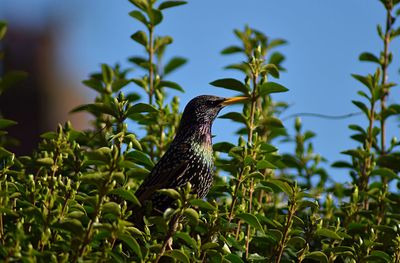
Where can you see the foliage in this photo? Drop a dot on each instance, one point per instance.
(70, 200)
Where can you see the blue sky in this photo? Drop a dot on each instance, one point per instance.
(325, 39)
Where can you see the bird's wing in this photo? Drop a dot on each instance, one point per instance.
(171, 168)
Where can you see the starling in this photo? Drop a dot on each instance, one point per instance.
(189, 158)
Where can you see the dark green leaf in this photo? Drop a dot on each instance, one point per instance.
(177, 255)
(95, 84)
(235, 116)
(5, 123)
(11, 78)
(233, 258)
(327, 233)
(223, 147)
(232, 84)
(187, 239)
(169, 4)
(271, 87)
(126, 195)
(366, 56)
(361, 106)
(139, 16)
(141, 158)
(318, 256)
(173, 64)
(170, 84)
(251, 220)
(202, 204)
(140, 37)
(131, 243)
(140, 108)
(3, 29)
(264, 164)
(231, 50)
(155, 16)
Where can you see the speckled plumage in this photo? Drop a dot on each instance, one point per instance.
(189, 157)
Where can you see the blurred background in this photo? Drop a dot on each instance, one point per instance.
(61, 42)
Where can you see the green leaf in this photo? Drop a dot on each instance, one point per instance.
(318, 256)
(264, 164)
(271, 87)
(276, 42)
(385, 172)
(5, 123)
(279, 186)
(140, 37)
(232, 84)
(170, 84)
(140, 108)
(96, 109)
(327, 233)
(173, 64)
(3, 29)
(131, 243)
(170, 192)
(139, 16)
(141, 158)
(191, 215)
(126, 195)
(70, 224)
(251, 220)
(202, 204)
(45, 161)
(177, 255)
(224, 147)
(95, 84)
(231, 50)
(111, 208)
(187, 239)
(155, 16)
(169, 4)
(366, 56)
(273, 70)
(141, 4)
(361, 106)
(11, 78)
(235, 116)
(273, 122)
(233, 258)
(379, 255)
(364, 80)
(107, 73)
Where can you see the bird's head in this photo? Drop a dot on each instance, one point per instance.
(204, 109)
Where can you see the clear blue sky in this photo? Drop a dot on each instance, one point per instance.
(325, 39)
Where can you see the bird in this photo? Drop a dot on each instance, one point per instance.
(189, 158)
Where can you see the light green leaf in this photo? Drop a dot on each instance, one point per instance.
(327, 233)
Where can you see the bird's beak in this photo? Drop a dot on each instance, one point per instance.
(233, 100)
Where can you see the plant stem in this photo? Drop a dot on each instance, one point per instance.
(151, 68)
(385, 76)
(289, 222)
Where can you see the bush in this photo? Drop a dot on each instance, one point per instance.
(70, 200)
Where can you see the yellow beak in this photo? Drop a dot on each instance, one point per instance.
(230, 101)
